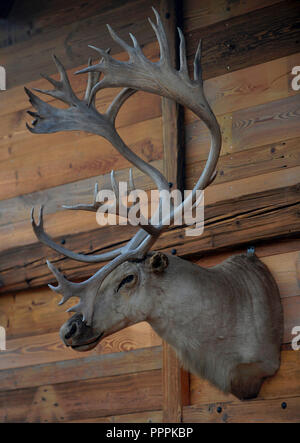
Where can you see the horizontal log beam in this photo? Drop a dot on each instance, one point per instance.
(106, 365)
(255, 411)
(253, 38)
(83, 399)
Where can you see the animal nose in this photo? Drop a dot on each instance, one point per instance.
(71, 332)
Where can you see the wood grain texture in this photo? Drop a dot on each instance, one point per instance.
(284, 268)
(201, 14)
(255, 411)
(48, 348)
(176, 388)
(253, 38)
(92, 398)
(284, 384)
(71, 40)
(85, 368)
(137, 417)
(251, 162)
(260, 125)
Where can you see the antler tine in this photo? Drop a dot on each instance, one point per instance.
(118, 101)
(63, 75)
(93, 78)
(53, 82)
(131, 181)
(120, 41)
(114, 184)
(197, 63)
(63, 90)
(96, 190)
(48, 241)
(123, 211)
(136, 45)
(161, 37)
(182, 54)
(93, 207)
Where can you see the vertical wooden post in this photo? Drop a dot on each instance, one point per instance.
(171, 111)
(176, 389)
(175, 379)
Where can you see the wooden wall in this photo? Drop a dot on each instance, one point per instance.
(249, 49)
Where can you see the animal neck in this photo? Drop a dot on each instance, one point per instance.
(180, 301)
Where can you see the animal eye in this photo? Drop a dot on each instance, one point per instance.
(126, 280)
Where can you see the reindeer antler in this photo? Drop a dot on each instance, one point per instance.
(138, 73)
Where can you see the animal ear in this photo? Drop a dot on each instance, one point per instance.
(158, 262)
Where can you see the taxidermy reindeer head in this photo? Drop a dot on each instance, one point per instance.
(224, 322)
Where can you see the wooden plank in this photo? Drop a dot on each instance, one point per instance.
(260, 184)
(260, 216)
(138, 417)
(254, 411)
(71, 41)
(80, 155)
(201, 14)
(175, 386)
(48, 348)
(286, 383)
(256, 37)
(284, 269)
(85, 399)
(81, 369)
(260, 125)
(267, 123)
(251, 162)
